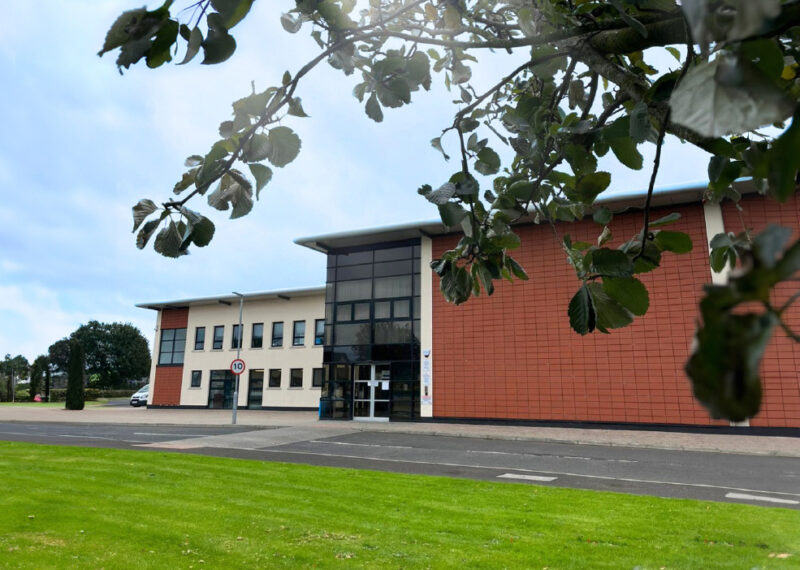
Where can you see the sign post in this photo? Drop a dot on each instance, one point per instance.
(237, 366)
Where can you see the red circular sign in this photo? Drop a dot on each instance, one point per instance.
(237, 366)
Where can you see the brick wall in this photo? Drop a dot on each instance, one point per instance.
(167, 389)
(781, 365)
(513, 355)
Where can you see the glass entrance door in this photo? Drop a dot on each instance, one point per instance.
(371, 392)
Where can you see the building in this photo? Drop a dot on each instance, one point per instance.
(282, 347)
(393, 349)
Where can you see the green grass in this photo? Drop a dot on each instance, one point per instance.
(70, 507)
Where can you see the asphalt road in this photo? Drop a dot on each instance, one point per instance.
(758, 480)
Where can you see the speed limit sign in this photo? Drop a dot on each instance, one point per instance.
(237, 366)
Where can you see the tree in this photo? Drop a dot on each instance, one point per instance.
(115, 352)
(13, 368)
(75, 376)
(590, 83)
(39, 368)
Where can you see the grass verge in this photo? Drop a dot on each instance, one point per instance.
(91, 508)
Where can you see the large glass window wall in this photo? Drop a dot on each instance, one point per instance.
(372, 315)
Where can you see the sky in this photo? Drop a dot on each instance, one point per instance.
(80, 144)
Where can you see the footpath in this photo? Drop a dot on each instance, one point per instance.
(744, 443)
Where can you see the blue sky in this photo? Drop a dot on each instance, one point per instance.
(81, 144)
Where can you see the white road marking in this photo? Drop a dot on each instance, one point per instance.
(526, 477)
(557, 473)
(359, 444)
(746, 497)
(181, 434)
(511, 453)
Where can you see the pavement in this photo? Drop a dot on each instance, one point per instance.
(304, 424)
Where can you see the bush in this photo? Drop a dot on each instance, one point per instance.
(75, 371)
(90, 394)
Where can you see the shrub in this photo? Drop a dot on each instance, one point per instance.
(75, 371)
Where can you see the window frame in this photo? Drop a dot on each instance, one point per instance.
(295, 336)
(214, 344)
(260, 336)
(270, 378)
(196, 375)
(319, 332)
(292, 378)
(199, 343)
(234, 332)
(171, 351)
(317, 382)
(276, 341)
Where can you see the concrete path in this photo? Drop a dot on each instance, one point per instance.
(301, 426)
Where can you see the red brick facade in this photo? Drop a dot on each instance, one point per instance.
(167, 388)
(513, 355)
(780, 369)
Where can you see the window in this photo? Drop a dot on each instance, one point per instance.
(296, 378)
(277, 334)
(236, 337)
(219, 331)
(173, 343)
(319, 332)
(275, 378)
(299, 333)
(197, 377)
(199, 338)
(258, 336)
(316, 378)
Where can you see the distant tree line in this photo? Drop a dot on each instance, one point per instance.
(112, 355)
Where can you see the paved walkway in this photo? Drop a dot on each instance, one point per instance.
(727, 443)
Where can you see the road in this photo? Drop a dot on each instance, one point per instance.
(758, 480)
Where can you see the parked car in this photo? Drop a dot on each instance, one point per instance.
(140, 397)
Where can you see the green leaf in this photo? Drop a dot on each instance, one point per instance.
(624, 148)
(611, 263)
(374, 112)
(609, 313)
(724, 365)
(290, 23)
(581, 312)
(668, 219)
(628, 292)
(296, 107)
(451, 214)
(727, 96)
(146, 232)
(262, 174)
(219, 45)
(516, 269)
(168, 241)
(186, 180)
(784, 161)
(640, 122)
(394, 92)
(232, 11)
(256, 149)
(141, 210)
(588, 187)
(676, 242)
(193, 45)
(194, 160)
(284, 146)
(488, 161)
(160, 53)
(123, 29)
(202, 232)
(437, 144)
(602, 216)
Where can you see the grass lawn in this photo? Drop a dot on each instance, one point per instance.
(72, 507)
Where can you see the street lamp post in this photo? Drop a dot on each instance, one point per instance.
(238, 352)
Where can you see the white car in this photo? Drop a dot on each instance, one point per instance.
(140, 397)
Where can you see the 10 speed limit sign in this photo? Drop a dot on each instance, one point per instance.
(237, 366)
